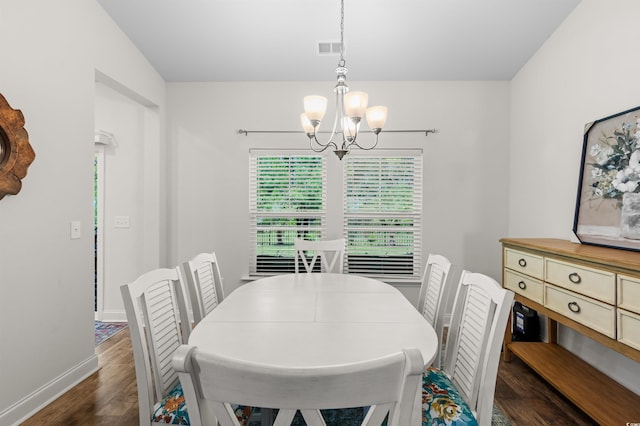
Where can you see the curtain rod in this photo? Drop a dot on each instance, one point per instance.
(246, 132)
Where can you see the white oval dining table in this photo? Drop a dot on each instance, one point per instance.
(314, 320)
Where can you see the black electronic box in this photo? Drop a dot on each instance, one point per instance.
(526, 324)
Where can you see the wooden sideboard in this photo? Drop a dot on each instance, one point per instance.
(592, 290)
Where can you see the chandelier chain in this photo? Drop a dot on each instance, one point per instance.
(341, 62)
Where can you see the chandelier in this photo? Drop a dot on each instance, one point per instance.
(351, 107)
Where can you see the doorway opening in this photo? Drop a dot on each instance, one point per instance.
(98, 230)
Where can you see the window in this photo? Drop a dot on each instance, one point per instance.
(382, 214)
(377, 208)
(287, 201)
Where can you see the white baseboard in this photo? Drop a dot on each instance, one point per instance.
(40, 398)
(114, 316)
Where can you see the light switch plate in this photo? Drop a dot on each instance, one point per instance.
(75, 230)
(122, 222)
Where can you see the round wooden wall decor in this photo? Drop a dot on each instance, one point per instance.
(15, 152)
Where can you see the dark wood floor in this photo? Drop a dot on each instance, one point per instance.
(528, 400)
(109, 397)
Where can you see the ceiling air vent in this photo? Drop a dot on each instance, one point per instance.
(329, 48)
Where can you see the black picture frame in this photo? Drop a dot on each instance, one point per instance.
(609, 169)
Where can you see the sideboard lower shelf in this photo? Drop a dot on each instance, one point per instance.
(603, 399)
(538, 261)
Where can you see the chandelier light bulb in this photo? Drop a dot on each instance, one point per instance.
(376, 117)
(306, 124)
(355, 104)
(315, 108)
(350, 128)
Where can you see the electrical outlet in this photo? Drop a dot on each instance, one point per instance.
(75, 230)
(122, 222)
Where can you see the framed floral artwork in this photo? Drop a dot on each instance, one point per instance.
(608, 202)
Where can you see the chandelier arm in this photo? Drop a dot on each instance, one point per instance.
(335, 119)
(363, 148)
(333, 130)
(323, 148)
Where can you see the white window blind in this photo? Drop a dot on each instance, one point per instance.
(382, 214)
(287, 200)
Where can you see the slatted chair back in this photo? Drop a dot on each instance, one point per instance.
(158, 322)
(204, 282)
(330, 252)
(480, 313)
(437, 287)
(213, 385)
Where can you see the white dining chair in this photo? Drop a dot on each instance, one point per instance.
(158, 322)
(330, 252)
(461, 393)
(213, 384)
(439, 284)
(204, 281)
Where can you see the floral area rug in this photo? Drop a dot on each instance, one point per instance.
(498, 418)
(105, 330)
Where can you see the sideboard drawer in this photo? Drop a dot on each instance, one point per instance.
(526, 263)
(629, 293)
(596, 315)
(629, 328)
(591, 282)
(524, 285)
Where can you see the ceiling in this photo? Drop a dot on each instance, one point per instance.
(386, 40)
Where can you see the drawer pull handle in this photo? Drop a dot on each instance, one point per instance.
(522, 262)
(522, 285)
(573, 307)
(574, 278)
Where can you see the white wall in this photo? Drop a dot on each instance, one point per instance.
(465, 179)
(50, 52)
(587, 70)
